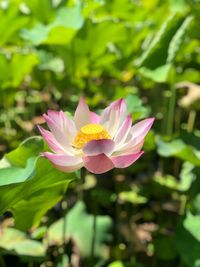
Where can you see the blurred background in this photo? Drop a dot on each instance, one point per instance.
(146, 51)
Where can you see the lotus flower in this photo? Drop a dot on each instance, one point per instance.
(99, 143)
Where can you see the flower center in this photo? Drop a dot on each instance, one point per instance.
(90, 132)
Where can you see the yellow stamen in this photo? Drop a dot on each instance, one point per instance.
(90, 132)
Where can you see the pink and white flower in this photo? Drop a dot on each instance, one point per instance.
(99, 143)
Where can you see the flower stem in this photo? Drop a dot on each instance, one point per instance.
(2, 262)
(64, 207)
(172, 105)
(80, 185)
(93, 238)
(191, 121)
(117, 211)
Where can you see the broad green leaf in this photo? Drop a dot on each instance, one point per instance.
(157, 53)
(31, 185)
(11, 17)
(30, 199)
(135, 107)
(192, 224)
(16, 68)
(79, 228)
(41, 10)
(177, 148)
(178, 39)
(159, 74)
(187, 176)
(157, 60)
(21, 162)
(30, 147)
(70, 17)
(61, 31)
(14, 175)
(188, 240)
(37, 34)
(13, 241)
(36, 204)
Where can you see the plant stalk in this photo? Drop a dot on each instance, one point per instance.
(171, 111)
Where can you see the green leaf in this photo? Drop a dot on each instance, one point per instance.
(156, 61)
(11, 17)
(187, 176)
(37, 34)
(61, 31)
(70, 17)
(188, 240)
(135, 107)
(159, 74)
(177, 148)
(16, 68)
(30, 147)
(157, 52)
(79, 228)
(178, 39)
(30, 200)
(35, 205)
(13, 175)
(30, 191)
(192, 224)
(13, 241)
(20, 163)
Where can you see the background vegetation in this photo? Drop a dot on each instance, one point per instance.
(148, 52)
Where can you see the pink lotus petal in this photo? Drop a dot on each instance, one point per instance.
(140, 129)
(113, 116)
(82, 114)
(58, 133)
(129, 149)
(64, 123)
(65, 163)
(98, 164)
(136, 134)
(123, 131)
(96, 147)
(118, 105)
(94, 118)
(51, 141)
(69, 168)
(125, 160)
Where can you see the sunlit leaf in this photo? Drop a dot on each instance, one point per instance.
(79, 228)
(15, 242)
(188, 240)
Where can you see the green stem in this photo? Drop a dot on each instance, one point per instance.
(117, 211)
(64, 206)
(93, 238)
(171, 112)
(80, 185)
(191, 121)
(2, 262)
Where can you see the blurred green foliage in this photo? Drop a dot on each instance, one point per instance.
(148, 52)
